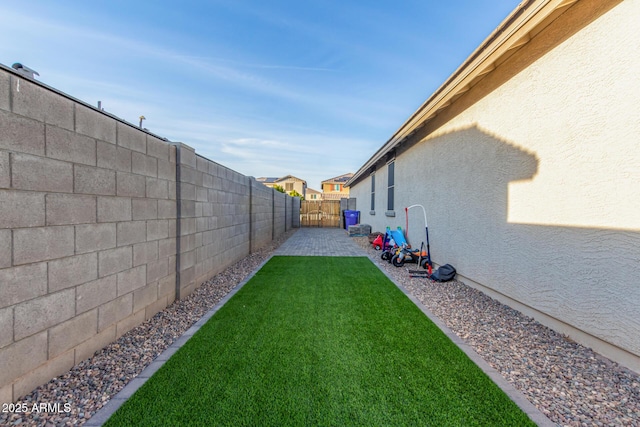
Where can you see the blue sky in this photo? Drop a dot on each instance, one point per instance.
(307, 88)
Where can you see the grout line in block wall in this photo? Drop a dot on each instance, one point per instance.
(11, 78)
(10, 170)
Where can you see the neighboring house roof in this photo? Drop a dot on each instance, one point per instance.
(524, 23)
(272, 180)
(339, 179)
(290, 178)
(268, 180)
(312, 191)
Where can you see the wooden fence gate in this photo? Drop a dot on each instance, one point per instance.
(315, 213)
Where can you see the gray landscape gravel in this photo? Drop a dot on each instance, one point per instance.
(571, 384)
(91, 384)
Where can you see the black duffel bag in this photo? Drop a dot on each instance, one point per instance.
(444, 273)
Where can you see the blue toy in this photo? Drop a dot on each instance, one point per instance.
(393, 239)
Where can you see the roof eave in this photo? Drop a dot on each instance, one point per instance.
(513, 33)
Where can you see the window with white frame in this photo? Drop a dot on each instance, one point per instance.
(390, 184)
(373, 191)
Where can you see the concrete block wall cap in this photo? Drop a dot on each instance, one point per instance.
(17, 73)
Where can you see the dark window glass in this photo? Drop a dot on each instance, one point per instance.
(373, 192)
(390, 188)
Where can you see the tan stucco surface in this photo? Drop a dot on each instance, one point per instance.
(532, 185)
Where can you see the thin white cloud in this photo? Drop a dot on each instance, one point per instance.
(16, 23)
(253, 144)
(244, 139)
(240, 64)
(337, 104)
(263, 151)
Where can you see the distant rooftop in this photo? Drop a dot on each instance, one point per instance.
(339, 179)
(272, 180)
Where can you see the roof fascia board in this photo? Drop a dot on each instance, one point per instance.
(511, 34)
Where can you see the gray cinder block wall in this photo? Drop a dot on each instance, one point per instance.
(279, 213)
(214, 218)
(295, 212)
(262, 229)
(102, 225)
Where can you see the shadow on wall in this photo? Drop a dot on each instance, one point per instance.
(583, 276)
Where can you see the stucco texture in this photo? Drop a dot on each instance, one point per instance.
(531, 187)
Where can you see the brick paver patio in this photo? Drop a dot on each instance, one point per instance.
(320, 242)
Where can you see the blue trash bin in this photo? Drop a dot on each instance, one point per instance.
(351, 218)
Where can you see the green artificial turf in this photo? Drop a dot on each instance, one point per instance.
(319, 341)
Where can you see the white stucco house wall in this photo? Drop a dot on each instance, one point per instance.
(527, 160)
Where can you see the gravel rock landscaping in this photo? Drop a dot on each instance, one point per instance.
(571, 384)
(88, 386)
